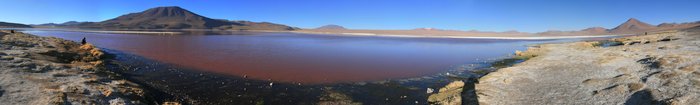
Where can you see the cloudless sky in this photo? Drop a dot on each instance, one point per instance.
(485, 15)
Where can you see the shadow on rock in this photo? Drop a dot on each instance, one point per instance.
(1, 92)
(642, 98)
(469, 93)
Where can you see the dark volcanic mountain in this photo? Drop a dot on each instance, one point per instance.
(632, 26)
(331, 27)
(178, 18)
(164, 18)
(13, 25)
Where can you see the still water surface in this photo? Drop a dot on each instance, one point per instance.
(306, 58)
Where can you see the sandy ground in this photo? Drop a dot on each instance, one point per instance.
(45, 71)
(662, 68)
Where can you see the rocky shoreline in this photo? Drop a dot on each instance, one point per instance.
(659, 68)
(159, 82)
(47, 70)
(662, 67)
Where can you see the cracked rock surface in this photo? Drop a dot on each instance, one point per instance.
(660, 68)
(51, 71)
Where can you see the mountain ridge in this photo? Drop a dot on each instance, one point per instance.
(632, 25)
(174, 17)
(331, 27)
(13, 25)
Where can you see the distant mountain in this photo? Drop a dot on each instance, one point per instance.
(331, 27)
(595, 30)
(174, 17)
(666, 26)
(248, 25)
(164, 18)
(47, 24)
(632, 26)
(587, 31)
(428, 29)
(69, 23)
(72, 23)
(13, 25)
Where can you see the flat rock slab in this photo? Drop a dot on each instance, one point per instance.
(30, 76)
(650, 69)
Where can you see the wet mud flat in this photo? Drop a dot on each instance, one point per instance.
(172, 83)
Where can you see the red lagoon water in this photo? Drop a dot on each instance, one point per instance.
(291, 57)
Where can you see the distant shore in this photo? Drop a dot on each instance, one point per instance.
(409, 34)
(133, 32)
(521, 37)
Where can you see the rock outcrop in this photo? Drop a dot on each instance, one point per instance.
(47, 70)
(451, 94)
(330, 97)
(660, 68)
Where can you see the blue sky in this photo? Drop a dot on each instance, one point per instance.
(485, 15)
